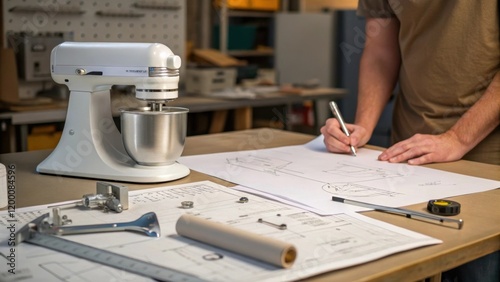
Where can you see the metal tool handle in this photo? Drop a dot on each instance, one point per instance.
(147, 224)
(405, 212)
(95, 228)
(410, 213)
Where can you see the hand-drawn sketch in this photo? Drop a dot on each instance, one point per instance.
(362, 173)
(267, 165)
(308, 176)
(354, 190)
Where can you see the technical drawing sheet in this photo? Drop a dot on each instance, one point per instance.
(308, 176)
(323, 243)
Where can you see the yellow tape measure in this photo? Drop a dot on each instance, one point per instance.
(443, 207)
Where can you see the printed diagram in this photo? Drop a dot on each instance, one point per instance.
(343, 239)
(342, 179)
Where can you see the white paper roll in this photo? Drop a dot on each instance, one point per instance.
(236, 240)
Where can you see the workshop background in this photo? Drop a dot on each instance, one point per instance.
(302, 43)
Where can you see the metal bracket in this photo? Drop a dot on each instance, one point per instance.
(108, 197)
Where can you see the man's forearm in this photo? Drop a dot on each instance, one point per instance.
(379, 68)
(481, 119)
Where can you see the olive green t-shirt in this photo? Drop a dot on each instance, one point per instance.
(450, 52)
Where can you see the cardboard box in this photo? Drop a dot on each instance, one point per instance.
(267, 5)
(262, 5)
(206, 81)
(43, 137)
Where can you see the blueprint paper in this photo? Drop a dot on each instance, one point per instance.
(324, 243)
(308, 176)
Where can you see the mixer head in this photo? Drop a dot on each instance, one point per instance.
(95, 66)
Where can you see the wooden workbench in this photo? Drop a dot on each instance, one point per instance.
(479, 236)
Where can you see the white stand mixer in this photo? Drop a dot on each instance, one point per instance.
(91, 145)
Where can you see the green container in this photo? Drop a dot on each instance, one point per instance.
(240, 37)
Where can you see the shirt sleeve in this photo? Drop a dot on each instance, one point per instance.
(375, 9)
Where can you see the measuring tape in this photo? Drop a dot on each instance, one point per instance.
(147, 269)
(443, 207)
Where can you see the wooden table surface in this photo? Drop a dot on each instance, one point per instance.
(480, 211)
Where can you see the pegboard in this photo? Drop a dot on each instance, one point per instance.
(161, 21)
(108, 21)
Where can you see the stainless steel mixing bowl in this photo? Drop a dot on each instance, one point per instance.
(154, 137)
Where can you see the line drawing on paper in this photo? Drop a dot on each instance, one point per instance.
(361, 172)
(341, 171)
(356, 190)
(263, 164)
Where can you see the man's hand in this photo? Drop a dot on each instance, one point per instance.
(337, 142)
(424, 149)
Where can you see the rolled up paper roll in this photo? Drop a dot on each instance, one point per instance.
(242, 242)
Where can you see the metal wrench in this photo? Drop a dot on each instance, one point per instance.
(147, 224)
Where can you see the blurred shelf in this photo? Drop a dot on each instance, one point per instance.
(249, 14)
(250, 53)
(248, 30)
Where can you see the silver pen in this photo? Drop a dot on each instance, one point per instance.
(338, 116)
